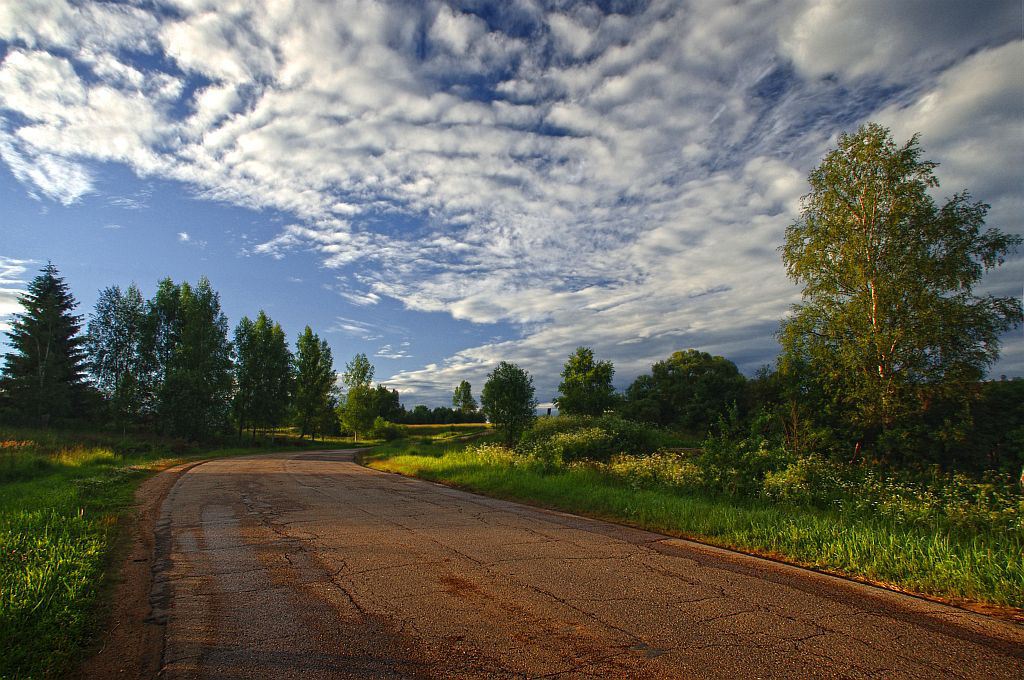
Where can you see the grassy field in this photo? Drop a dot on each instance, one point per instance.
(64, 503)
(962, 561)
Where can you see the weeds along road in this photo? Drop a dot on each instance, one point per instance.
(308, 565)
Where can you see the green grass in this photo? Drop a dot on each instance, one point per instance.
(64, 503)
(973, 563)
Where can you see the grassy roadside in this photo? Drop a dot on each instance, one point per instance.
(65, 502)
(976, 564)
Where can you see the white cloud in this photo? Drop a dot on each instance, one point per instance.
(12, 283)
(184, 237)
(619, 180)
(893, 40)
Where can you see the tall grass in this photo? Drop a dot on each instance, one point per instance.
(62, 501)
(971, 557)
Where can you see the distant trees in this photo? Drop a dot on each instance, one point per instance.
(688, 390)
(44, 373)
(191, 342)
(586, 388)
(359, 410)
(508, 399)
(889, 322)
(263, 373)
(315, 385)
(114, 345)
(462, 398)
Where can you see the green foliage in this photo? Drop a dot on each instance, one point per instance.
(264, 373)
(586, 387)
(314, 398)
(968, 545)
(569, 438)
(689, 390)
(114, 345)
(63, 499)
(508, 400)
(889, 322)
(188, 338)
(386, 403)
(358, 372)
(462, 399)
(382, 429)
(43, 374)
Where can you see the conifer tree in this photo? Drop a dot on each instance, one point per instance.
(43, 376)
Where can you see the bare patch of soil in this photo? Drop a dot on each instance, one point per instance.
(133, 643)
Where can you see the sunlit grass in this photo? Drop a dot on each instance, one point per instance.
(62, 501)
(969, 561)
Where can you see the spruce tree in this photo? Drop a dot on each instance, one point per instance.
(43, 376)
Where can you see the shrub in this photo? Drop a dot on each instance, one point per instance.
(590, 443)
(570, 438)
(385, 430)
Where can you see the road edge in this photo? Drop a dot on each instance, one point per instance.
(1010, 623)
(132, 645)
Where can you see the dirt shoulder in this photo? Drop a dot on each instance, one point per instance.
(133, 643)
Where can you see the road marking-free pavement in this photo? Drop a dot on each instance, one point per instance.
(307, 565)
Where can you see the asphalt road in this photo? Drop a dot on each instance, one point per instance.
(308, 565)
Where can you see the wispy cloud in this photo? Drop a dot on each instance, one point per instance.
(615, 179)
(12, 281)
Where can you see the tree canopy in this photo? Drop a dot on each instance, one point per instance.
(263, 373)
(44, 374)
(586, 388)
(462, 398)
(690, 389)
(508, 399)
(889, 317)
(315, 384)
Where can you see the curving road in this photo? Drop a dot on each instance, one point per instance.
(308, 565)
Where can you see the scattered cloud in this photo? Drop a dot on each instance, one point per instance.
(12, 282)
(387, 352)
(617, 179)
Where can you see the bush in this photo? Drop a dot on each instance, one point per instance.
(564, 439)
(590, 443)
(385, 430)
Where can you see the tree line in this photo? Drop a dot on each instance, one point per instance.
(885, 356)
(167, 364)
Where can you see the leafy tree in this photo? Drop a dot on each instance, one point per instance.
(420, 415)
(508, 400)
(358, 372)
(586, 387)
(359, 409)
(315, 382)
(690, 389)
(387, 404)
(889, 319)
(114, 345)
(188, 338)
(463, 400)
(263, 373)
(44, 374)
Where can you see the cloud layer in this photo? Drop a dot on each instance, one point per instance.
(617, 180)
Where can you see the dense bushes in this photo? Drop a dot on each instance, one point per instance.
(564, 439)
(382, 429)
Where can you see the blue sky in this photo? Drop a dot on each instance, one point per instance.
(446, 185)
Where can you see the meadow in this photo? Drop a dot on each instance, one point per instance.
(65, 502)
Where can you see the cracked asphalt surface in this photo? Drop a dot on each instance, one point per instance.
(309, 565)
